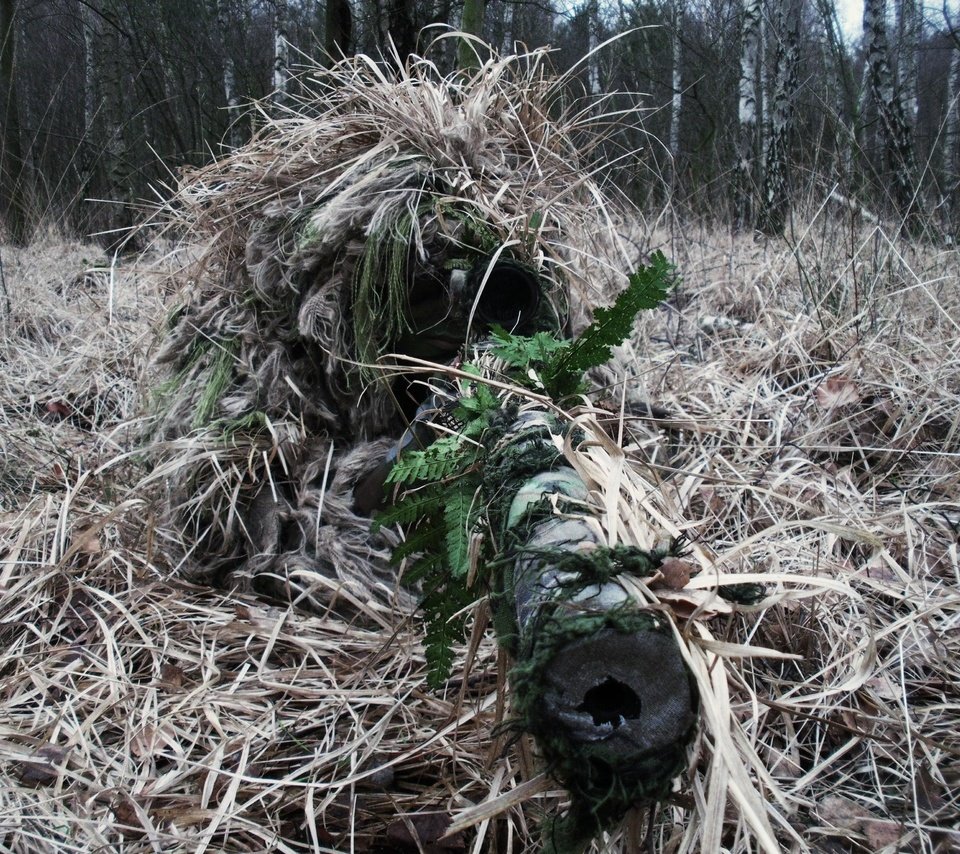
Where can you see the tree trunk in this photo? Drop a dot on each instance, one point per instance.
(338, 29)
(951, 149)
(775, 198)
(908, 68)
(281, 53)
(234, 135)
(745, 182)
(676, 101)
(468, 57)
(847, 100)
(397, 26)
(13, 168)
(896, 132)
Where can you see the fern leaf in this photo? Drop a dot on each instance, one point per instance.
(443, 458)
(426, 568)
(612, 326)
(426, 538)
(412, 507)
(458, 519)
(443, 629)
(521, 351)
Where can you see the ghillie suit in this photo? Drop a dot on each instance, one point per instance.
(361, 227)
(391, 226)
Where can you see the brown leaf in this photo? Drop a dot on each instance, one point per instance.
(675, 573)
(845, 814)
(128, 821)
(429, 828)
(882, 833)
(89, 542)
(151, 740)
(60, 408)
(46, 769)
(842, 813)
(837, 391)
(171, 676)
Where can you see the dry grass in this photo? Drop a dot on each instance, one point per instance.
(822, 449)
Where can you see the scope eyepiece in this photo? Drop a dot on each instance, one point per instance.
(510, 297)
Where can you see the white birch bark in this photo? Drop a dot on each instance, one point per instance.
(908, 21)
(847, 103)
(951, 137)
(593, 65)
(951, 151)
(775, 196)
(747, 113)
(281, 53)
(229, 75)
(89, 71)
(896, 132)
(677, 81)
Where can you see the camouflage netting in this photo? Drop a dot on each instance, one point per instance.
(383, 215)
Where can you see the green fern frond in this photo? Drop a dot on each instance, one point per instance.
(448, 456)
(425, 538)
(648, 287)
(459, 517)
(443, 630)
(413, 506)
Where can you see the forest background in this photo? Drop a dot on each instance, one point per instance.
(749, 109)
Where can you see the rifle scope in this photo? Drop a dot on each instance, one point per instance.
(510, 297)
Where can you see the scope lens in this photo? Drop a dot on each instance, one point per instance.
(510, 297)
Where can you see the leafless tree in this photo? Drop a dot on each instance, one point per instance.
(14, 174)
(775, 197)
(895, 130)
(745, 180)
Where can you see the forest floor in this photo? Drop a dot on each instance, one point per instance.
(819, 382)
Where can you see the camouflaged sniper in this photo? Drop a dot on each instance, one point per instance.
(400, 214)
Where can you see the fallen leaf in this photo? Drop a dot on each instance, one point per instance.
(837, 391)
(674, 573)
(881, 833)
(151, 740)
(845, 814)
(171, 676)
(89, 542)
(842, 813)
(60, 408)
(429, 828)
(46, 769)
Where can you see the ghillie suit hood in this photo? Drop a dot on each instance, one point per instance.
(385, 214)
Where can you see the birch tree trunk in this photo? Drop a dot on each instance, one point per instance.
(908, 68)
(281, 53)
(775, 198)
(745, 181)
(895, 130)
(13, 169)
(676, 102)
(87, 155)
(951, 149)
(229, 75)
(847, 101)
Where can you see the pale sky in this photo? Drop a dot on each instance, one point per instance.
(851, 18)
(851, 15)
